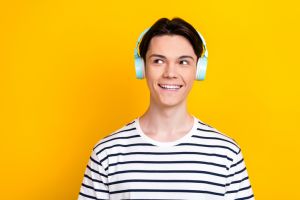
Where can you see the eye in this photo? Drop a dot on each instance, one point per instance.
(158, 61)
(184, 62)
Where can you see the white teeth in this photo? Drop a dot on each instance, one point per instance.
(170, 87)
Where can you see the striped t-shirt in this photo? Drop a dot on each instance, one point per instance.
(204, 164)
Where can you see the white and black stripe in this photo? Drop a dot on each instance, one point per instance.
(204, 164)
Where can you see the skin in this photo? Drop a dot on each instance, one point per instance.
(171, 60)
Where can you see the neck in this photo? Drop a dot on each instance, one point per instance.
(170, 120)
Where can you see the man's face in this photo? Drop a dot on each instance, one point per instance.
(170, 69)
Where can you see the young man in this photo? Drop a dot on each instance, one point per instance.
(167, 153)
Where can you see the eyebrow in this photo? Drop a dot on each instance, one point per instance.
(161, 56)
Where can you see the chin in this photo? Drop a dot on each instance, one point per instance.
(170, 103)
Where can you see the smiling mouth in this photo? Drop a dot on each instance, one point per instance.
(170, 86)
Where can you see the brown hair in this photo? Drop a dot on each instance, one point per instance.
(175, 26)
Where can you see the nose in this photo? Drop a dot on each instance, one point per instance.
(170, 71)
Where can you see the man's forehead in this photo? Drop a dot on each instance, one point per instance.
(170, 46)
(165, 57)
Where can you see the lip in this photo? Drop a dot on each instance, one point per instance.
(169, 90)
(170, 84)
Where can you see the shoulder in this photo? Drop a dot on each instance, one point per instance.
(117, 137)
(216, 138)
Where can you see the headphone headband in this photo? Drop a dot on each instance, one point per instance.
(136, 50)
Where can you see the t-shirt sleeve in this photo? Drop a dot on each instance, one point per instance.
(238, 185)
(94, 184)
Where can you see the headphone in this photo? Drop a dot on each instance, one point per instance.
(139, 62)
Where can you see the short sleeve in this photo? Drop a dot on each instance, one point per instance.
(94, 184)
(238, 185)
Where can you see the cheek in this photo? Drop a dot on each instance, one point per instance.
(152, 73)
(151, 77)
(189, 76)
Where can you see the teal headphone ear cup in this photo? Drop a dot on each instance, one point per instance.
(202, 62)
(138, 60)
(139, 67)
(201, 68)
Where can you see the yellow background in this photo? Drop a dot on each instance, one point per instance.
(67, 79)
